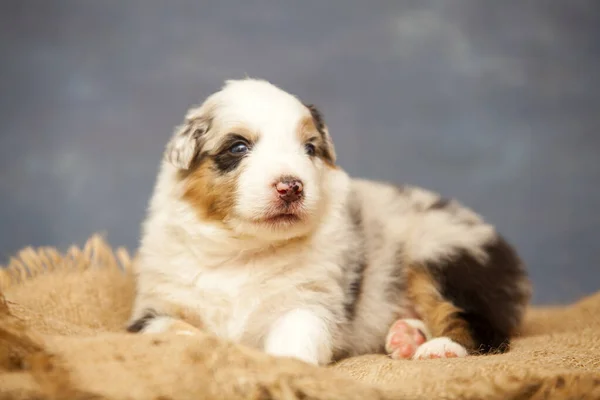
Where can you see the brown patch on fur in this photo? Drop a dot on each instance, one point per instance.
(315, 287)
(309, 130)
(211, 194)
(440, 316)
(490, 293)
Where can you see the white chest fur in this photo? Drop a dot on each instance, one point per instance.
(226, 300)
(241, 301)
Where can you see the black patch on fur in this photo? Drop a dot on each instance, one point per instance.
(225, 160)
(397, 282)
(318, 119)
(139, 324)
(355, 210)
(355, 288)
(324, 152)
(439, 204)
(356, 261)
(488, 293)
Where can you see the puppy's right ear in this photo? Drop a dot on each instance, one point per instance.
(186, 142)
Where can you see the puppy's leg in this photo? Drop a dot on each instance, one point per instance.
(161, 324)
(170, 318)
(452, 336)
(303, 334)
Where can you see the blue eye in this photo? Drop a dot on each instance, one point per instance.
(310, 149)
(238, 148)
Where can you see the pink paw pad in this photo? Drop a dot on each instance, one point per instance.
(403, 339)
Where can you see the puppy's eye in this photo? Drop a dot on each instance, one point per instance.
(239, 148)
(310, 149)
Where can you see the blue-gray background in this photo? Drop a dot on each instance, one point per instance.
(494, 102)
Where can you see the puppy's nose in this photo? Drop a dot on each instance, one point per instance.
(289, 189)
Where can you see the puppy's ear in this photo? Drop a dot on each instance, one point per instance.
(328, 150)
(186, 142)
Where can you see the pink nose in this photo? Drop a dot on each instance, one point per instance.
(289, 189)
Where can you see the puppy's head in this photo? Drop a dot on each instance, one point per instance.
(256, 159)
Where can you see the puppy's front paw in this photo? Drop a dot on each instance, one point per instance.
(301, 334)
(186, 333)
(441, 347)
(404, 337)
(161, 324)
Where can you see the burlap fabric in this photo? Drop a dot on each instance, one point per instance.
(62, 336)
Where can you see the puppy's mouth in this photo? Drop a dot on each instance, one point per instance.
(283, 215)
(281, 219)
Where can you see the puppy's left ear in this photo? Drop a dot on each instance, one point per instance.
(327, 151)
(186, 142)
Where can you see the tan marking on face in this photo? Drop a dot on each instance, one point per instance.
(306, 131)
(210, 193)
(440, 316)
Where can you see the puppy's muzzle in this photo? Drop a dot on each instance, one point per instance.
(290, 189)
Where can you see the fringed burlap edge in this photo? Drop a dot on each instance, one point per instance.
(48, 378)
(31, 262)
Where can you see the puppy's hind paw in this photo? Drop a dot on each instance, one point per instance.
(404, 337)
(441, 347)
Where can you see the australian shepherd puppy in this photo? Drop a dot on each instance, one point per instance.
(255, 235)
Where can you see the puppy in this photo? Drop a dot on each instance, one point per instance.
(255, 235)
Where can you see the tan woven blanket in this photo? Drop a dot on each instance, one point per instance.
(62, 336)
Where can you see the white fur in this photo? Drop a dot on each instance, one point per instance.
(303, 334)
(420, 325)
(283, 289)
(438, 348)
(159, 325)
